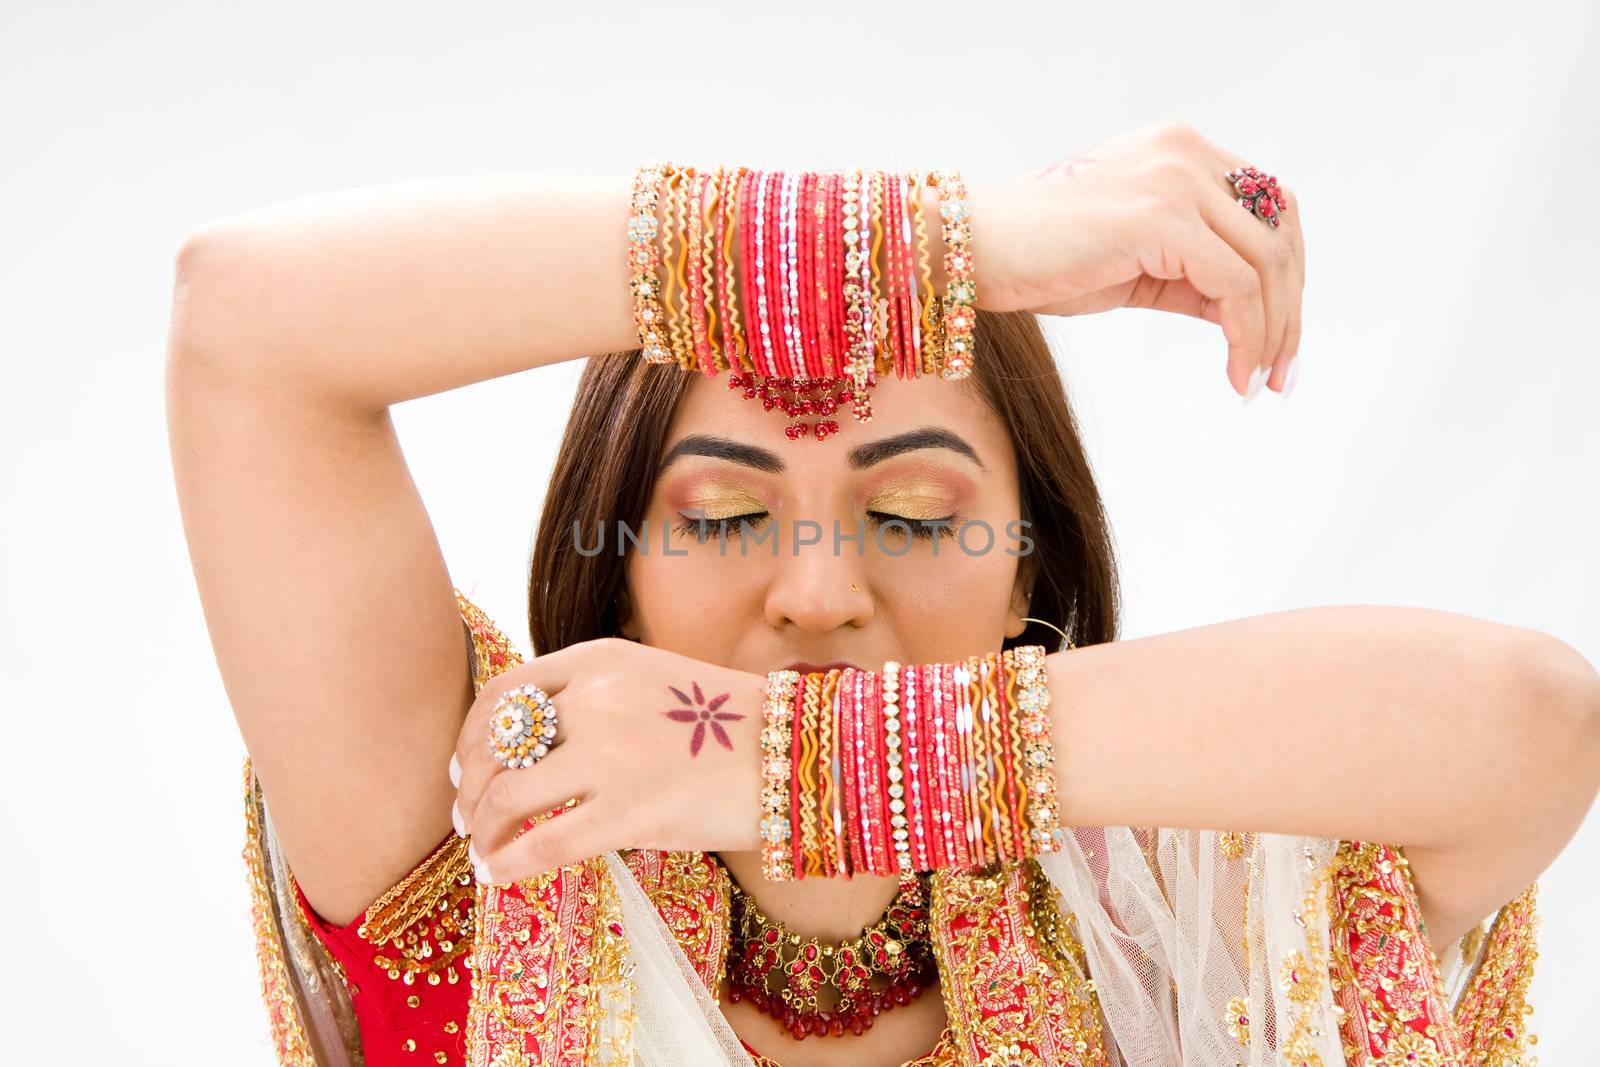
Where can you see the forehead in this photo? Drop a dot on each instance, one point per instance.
(899, 406)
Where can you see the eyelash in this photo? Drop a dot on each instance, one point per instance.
(701, 529)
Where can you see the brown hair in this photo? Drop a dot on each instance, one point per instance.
(615, 437)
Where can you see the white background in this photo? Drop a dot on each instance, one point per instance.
(1440, 449)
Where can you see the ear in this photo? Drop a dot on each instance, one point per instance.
(1021, 594)
(626, 626)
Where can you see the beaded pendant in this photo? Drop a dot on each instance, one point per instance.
(801, 397)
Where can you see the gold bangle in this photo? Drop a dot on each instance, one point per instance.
(1043, 811)
(777, 857)
(961, 293)
(644, 259)
(858, 365)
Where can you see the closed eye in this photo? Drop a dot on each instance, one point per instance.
(702, 529)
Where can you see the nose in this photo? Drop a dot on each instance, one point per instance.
(817, 585)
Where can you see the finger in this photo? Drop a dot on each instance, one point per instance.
(1229, 286)
(1277, 252)
(476, 762)
(473, 762)
(1264, 249)
(571, 837)
(1283, 375)
(510, 798)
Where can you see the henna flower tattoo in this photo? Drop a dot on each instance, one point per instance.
(702, 713)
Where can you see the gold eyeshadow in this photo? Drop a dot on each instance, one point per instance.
(722, 505)
(914, 500)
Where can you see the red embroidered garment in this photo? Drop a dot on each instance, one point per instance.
(416, 980)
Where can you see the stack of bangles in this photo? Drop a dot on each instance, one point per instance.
(915, 768)
(803, 286)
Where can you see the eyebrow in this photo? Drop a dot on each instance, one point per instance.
(860, 457)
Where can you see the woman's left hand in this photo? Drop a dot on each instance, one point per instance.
(659, 750)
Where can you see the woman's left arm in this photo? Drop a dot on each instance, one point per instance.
(1474, 745)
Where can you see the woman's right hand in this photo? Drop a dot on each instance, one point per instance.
(1147, 219)
(661, 751)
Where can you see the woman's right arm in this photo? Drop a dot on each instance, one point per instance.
(327, 598)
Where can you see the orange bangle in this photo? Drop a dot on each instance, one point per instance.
(880, 306)
(805, 773)
(685, 331)
(827, 843)
(733, 322)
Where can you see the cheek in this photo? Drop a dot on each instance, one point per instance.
(958, 599)
(691, 603)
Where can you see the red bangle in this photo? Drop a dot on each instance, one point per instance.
(824, 300)
(858, 857)
(928, 770)
(805, 249)
(836, 273)
(908, 282)
(882, 853)
(776, 272)
(910, 708)
(748, 290)
(954, 797)
(891, 269)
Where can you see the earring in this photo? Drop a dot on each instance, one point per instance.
(1054, 627)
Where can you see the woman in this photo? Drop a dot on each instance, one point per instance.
(1319, 732)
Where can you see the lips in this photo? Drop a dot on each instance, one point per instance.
(818, 668)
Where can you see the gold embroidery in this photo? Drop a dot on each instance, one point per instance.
(490, 652)
(283, 1013)
(426, 919)
(1009, 998)
(1492, 1015)
(1300, 973)
(442, 874)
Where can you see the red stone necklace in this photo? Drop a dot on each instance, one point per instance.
(831, 990)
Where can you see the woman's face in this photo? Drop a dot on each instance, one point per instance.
(782, 588)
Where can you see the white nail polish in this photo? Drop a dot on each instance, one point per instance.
(1288, 382)
(455, 820)
(472, 854)
(455, 771)
(1257, 380)
(481, 872)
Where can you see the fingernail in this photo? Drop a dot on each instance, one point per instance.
(455, 771)
(455, 819)
(482, 874)
(472, 854)
(1288, 381)
(1257, 380)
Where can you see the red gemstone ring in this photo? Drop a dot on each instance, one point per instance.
(1258, 193)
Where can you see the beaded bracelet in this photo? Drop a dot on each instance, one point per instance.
(911, 768)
